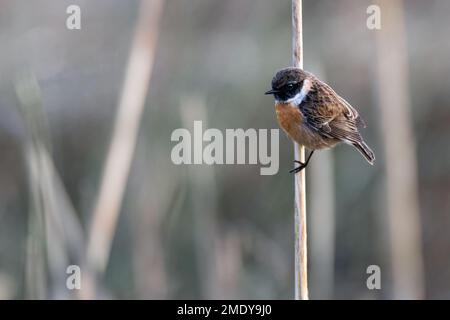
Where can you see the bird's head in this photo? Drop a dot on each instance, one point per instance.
(287, 84)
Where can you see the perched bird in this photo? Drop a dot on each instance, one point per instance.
(315, 116)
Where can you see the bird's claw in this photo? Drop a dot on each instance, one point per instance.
(299, 168)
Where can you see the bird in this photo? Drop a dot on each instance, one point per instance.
(314, 115)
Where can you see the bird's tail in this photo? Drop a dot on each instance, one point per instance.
(365, 151)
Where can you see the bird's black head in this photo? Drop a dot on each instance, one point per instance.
(287, 83)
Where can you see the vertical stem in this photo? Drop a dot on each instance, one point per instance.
(402, 189)
(204, 206)
(322, 224)
(121, 150)
(301, 258)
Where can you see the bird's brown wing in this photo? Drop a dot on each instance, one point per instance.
(329, 114)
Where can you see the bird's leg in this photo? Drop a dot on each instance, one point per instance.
(301, 164)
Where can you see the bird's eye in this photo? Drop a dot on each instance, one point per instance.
(290, 86)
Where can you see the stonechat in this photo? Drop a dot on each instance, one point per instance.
(314, 115)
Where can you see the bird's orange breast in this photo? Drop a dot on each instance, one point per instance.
(293, 123)
(289, 118)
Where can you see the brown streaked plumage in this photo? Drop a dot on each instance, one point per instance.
(314, 115)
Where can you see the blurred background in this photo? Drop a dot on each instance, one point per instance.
(86, 176)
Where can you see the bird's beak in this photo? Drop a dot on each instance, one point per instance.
(271, 91)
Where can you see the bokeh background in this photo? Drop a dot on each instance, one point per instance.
(220, 231)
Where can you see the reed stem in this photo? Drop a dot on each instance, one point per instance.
(301, 252)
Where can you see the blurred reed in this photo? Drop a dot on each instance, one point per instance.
(202, 183)
(124, 136)
(403, 212)
(322, 224)
(155, 194)
(55, 234)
